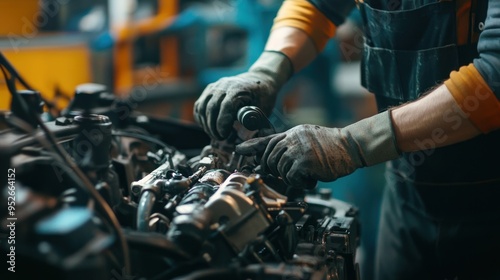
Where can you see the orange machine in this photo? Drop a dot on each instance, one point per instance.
(56, 62)
(127, 75)
(160, 80)
(53, 63)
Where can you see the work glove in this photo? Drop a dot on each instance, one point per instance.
(216, 108)
(307, 153)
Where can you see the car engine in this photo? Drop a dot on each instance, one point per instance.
(104, 192)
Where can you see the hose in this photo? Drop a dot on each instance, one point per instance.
(144, 210)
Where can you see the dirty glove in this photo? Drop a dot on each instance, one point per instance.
(216, 108)
(307, 153)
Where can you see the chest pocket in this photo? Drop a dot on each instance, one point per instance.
(412, 48)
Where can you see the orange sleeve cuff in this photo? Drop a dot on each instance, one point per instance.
(475, 98)
(305, 16)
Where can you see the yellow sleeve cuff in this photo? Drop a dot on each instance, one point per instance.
(475, 98)
(305, 16)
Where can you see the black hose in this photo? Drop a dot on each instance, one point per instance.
(212, 273)
(180, 269)
(155, 243)
(144, 210)
(255, 271)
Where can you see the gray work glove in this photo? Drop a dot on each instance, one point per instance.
(307, 153)
(216, 108)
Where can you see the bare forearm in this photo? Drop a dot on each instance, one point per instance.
(294, 43)
(432, 121)
(462, 108)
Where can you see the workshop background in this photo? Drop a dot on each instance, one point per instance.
(160, 55)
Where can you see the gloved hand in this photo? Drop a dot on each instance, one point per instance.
(216, 108)
(307, 153)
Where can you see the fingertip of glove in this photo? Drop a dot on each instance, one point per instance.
(222, 134)
(244, 149)
(214, 133)
(253, 146)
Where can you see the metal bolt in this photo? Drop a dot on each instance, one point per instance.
(177, 176)
(136, 190)
(325, 194)
(480, 26)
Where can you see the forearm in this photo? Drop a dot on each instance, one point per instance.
(302, 28)
(433, 121)
(294, 43)
(467, 105)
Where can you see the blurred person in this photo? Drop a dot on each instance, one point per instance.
(440, 217)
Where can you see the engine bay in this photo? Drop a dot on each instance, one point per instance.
(104, 192)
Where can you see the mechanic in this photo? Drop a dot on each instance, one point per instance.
(441, 213)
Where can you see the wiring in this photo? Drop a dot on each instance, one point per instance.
(5, 63)
(79, 178)
(141, 137)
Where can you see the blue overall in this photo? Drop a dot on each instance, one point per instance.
(440, 216)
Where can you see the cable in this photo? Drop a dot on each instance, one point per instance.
(155, 243)
(213, 273)
(180, 269)
(77, 175)
(253, 271)
(142, 137)
(19, 123)
(5, 63)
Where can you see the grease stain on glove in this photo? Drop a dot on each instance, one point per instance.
(307, 153)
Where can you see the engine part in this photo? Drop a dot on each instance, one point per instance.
(212, 214)
(202, 190)
(252, 118)
(33, 100)
(86, 99)
(91, 147)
